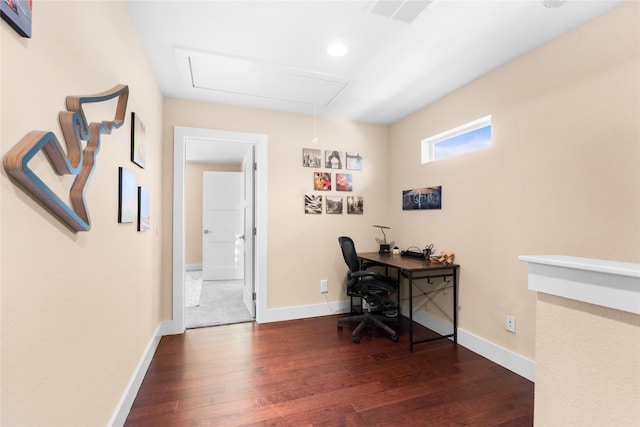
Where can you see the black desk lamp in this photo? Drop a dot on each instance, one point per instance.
(385, 248)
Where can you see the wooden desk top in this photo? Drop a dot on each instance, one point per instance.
(406, 263)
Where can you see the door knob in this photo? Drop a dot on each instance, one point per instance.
(206, 232)
(241, 237)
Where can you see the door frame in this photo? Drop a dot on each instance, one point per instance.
(180, 134)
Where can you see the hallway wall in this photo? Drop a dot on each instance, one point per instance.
(78, 309)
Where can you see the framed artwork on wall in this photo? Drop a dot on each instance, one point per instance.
(17, 13)
(354, 161)
(312, 204)
(332, 159)
(422, 198)
(138, 143)
(321, 181)
(355, 205)
(334, 205)
(311, 158)
(143, 209)
(344, 182)
(127, 195)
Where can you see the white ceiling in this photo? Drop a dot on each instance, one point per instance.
(272, 54)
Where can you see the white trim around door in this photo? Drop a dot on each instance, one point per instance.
(180, 135)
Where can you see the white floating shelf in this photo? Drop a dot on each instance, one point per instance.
(610, 284)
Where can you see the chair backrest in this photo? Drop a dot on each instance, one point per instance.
(349, 253)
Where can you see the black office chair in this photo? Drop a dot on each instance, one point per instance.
(371, 287)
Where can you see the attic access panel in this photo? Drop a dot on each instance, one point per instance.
(241, 76)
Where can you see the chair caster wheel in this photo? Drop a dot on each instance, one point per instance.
(356, 340)
(394, 338)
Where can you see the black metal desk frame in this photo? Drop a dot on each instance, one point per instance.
(418, 269)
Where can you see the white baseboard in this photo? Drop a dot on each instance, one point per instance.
(506, 358)
(169, 327)
(193, 267)
(126, 401)
(305, 311)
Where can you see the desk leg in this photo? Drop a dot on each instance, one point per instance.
(455, 305)
(399, 285)
(410, 277)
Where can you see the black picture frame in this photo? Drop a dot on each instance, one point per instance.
(144, 209)
(127, 196)
(138, 140)
(422, 199)
(17, 13)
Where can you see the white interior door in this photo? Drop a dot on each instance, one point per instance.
(248, 202)
(223, 226)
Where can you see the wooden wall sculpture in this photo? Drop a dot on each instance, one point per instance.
(76, 161)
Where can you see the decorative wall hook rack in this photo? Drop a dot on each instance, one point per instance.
(75, 161)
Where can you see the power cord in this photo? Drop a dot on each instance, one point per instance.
(331, 309)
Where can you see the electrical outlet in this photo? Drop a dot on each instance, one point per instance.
(511, 324)
(324, 286)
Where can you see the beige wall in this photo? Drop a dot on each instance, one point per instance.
(78, 309)
(193, 206)
(562, 176)
(588, 371)
(302, 249)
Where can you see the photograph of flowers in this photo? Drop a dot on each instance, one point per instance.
(344, 182)
(321, 181)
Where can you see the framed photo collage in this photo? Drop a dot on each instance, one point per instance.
(336, 175)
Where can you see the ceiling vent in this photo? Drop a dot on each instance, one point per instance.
(400, 10)
(553, 4)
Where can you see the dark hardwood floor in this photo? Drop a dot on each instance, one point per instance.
(307, 373)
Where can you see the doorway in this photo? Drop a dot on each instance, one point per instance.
(215, 238)
(257, 268)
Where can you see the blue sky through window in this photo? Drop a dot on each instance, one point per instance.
(470, 141)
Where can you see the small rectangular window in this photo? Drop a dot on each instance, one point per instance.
(468, 137)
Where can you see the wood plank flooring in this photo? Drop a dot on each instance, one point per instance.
(307, 373)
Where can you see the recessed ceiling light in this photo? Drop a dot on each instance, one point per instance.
(337, 49)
